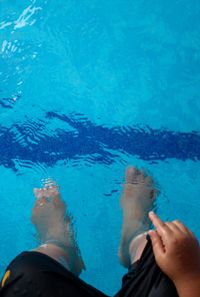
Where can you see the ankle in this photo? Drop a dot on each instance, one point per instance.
(132, 228)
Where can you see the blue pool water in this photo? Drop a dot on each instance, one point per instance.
(86, 88)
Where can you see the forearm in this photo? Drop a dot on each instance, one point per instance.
(189, 288)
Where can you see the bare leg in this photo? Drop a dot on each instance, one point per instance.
(55, 230)
(136, 201)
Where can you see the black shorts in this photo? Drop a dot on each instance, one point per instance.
(33, 274)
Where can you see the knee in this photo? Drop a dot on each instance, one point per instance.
(137, 246)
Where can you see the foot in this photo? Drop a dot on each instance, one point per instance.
(53, 224)
(136, 201)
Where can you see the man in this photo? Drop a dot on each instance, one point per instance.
(162, 262)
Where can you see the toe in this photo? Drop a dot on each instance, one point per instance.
(39, 193)
(53, 191)
(134, 175)
(141, 176)
(40, 202)
(53, 194)
(48, 195)
(154, 193)
(149, 180)
(131, 174)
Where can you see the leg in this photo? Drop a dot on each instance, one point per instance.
(137, 246)
(55, 252)
(136, 201)
(144, 278)
(54, 229)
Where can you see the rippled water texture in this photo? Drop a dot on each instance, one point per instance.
(87, 87)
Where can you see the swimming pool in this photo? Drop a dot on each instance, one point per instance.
(88, 87)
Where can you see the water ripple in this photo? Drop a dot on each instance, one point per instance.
(33, 142)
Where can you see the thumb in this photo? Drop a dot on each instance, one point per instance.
(158, 248)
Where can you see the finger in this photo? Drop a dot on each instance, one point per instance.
(183, 228)
(173, 227)
(162, 229)
(157, 222)
(157, 244)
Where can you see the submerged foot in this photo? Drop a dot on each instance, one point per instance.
(53, 224)
(136, 201)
